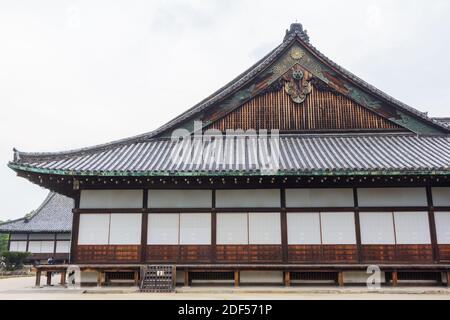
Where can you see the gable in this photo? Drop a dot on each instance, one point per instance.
(296, 51)
(321, 110)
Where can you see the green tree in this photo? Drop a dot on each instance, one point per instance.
(3, 242)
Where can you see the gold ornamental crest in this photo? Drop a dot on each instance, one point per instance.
(297, 53)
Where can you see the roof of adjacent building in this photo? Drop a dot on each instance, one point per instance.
(54, 215)
(148, 154)
(444, 121)
(305, 154)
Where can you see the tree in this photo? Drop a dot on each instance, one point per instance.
(3, 242)
(13, 260)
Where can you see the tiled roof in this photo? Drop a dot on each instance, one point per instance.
(444, 121)
(54, 215)
(299, 154)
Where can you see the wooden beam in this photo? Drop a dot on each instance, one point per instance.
(237, 278)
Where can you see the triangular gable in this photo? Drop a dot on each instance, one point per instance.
(297, 51)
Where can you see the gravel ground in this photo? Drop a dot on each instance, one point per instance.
(22, 288)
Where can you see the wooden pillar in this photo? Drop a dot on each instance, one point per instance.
(49, 278)
(144, 230)
(28, 242)
(395, 278)
(63, 277)
(99, 278)
(75, 228)
(432, 224)
(213, 228)
(38, 278)
(357, 225)
(448, 278)
(55, 238)
(341, 279)
(144, 226)
(186, 277)
(237, 278)
(284, 231)
(287, 278)
(136, 278)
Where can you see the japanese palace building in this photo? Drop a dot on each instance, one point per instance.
(45, 233)
(295, 170)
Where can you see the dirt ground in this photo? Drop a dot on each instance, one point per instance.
(22, 288)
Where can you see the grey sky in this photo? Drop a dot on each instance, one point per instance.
(79, 73)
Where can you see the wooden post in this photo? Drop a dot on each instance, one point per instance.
(287, 278)
(49, 278)
(144, 226)
(136, 278)
(395, 278)
(448, 278)
(284, 232)
(186, 278)
(63, 277)
(38, 278)
(432, 224)
(357, 225)
(99, 278)
(213, 227)
(341, 279)
(75, 227)
(237, 278)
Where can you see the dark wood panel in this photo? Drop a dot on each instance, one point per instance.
(305, 253)
(340, 253)
(162, 254)
(320, 111)
(323, 253)
(378, 253)
(397, 253)
(194, 254)
(231, 253)
(108, 254)
(444, 252)
(414, 253)
(265, 253)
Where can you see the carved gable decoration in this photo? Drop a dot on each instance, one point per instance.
(297, 83)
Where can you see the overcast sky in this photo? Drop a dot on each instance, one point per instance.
(80, 73)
